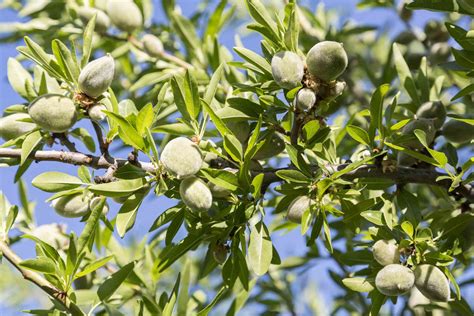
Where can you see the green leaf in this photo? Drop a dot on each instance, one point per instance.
(376, 111)
(118, 188)
(260, 14)
(358, 134)
(111, 285)
(54, 181)
(378, 299)
(128, 213)
(145, 119)
(19, 78)
(186, 95)
(408, 228)
(127, 132)
(88, 233)
(91, 267)
(255, 59)
(358, 284)
(292, 30)
(40, 264)
(293, 176)
(205, 311)
(168, 309)
(260, 249)
(65, 60)
(30, 144)
(87, 40)
(405, 76)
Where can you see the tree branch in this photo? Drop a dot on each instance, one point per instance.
(58, 295)
(401, 175)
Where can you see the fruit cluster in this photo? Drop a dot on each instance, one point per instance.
(396, 279)
(325, 62)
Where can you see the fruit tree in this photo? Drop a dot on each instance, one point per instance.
(347, 140)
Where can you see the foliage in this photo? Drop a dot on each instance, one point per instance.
(259, 151)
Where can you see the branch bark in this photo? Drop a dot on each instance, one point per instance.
(39, 281)
(401, 175)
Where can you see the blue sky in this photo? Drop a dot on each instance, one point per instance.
(289, 245)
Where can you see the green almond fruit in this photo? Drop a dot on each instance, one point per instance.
(96, 112)
(182, 157)
(458, 131)
(432, 282)
(271, 148)
(305, 99)
(439, 53)
(53, 112)
(394, 280)
(287, 69)
(125, 15)
(433, 110)
(53, 234)
(386, 252)
(195, 194)
(74, 205)
(12, 127)
(405, 37)
(96, 76)
(425, 125)
(152, 45)
(219, 252)
(467, 5)
(297, 207)
(102, 21)
(415, 301)
(327, 60)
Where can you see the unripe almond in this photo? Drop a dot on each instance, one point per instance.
(96, 112)
(152, 45)
(467, 5)
(386, 252)
(305, 99)
(53, 112)
(96, 76)
(432, 282)
(425, 125)
(125, 15)
(271, 148)
(75, 205)
(394, 279)
(219, 252)
(195, 194)
(458, 131)
(102, 21)
(297, 208)
(182, 157)
(327, 60)
(433, 110)
(287, 69)
(52, 234)
(12, 127)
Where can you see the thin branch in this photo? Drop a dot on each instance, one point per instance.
(58, 295)
(65, 141)
(401, 175)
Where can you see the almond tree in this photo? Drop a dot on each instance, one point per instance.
(357, 139)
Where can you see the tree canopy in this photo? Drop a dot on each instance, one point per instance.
(356, 136)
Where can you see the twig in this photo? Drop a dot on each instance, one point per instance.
(103, 145)
(58, 295)
(401, 175)
(65, 141)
